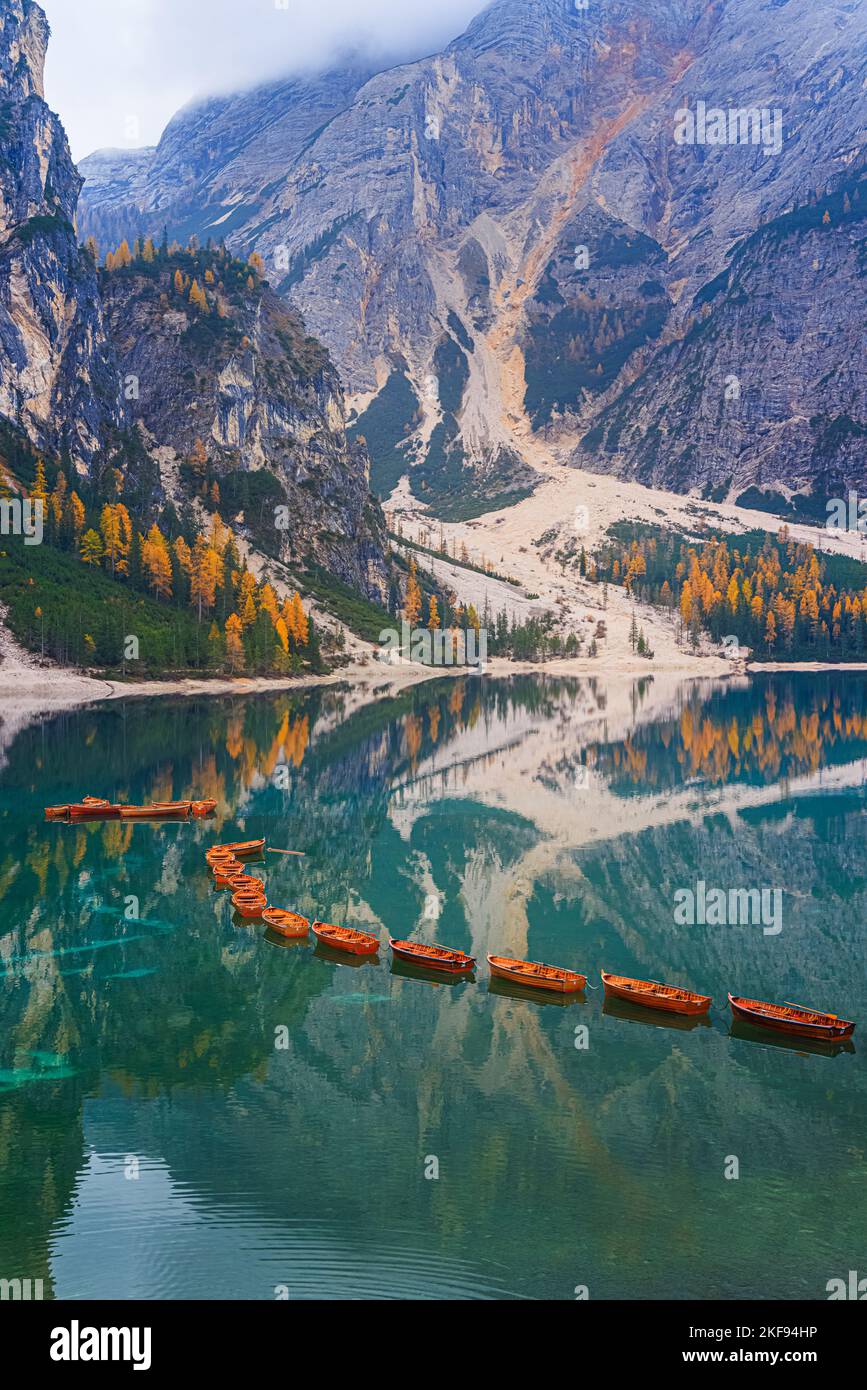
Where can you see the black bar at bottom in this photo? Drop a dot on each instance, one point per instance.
(67, 1337)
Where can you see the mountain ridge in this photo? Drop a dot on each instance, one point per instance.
(406, 227)
(162, 361)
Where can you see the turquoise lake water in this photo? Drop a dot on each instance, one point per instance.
(191, 1109)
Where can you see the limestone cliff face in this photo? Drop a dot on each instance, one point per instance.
(115, 372)
(435, 210)
(263, 399)
(57, 378)
(764, 384)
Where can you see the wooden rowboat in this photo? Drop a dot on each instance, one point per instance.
(243, 849)
(91, 808)
(791, 1018)
(432, 957)
(286, 923)
(203, 808)
(526, 972)
(250, 905)
(224, 874)
(357, 943)
(246, 883)
(654, 995)
(158, 810)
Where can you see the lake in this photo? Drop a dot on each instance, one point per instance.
(189, 1109)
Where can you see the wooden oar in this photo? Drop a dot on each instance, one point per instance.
(299, 852)
(806, 1010)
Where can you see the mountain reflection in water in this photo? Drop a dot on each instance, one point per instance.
(280, 1111)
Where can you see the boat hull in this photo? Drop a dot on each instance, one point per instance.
(249, 905)
(451, 963)
(683, 1002)
(354, 943)
(288, 924)
(561, 982)
(243, 849)
(824, 1027)
(160, 811)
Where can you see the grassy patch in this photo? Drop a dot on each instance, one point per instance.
(359, 614)
(56, 601)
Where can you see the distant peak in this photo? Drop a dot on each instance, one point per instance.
(24, 34)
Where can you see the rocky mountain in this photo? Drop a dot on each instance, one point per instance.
(228, 398)
(177, 373)
(519, 248)
(56, 372)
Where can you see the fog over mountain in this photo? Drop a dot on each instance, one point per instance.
(630, 236)
(118, 70)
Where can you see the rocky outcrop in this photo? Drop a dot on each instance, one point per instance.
(57, 378)
(765, 387)
(245, 388)
(120, 374)
(444, 200)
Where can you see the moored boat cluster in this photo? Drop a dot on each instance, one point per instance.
(98, 808)
(228, 865)
(248, 897)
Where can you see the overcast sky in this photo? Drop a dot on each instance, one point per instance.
(118, 70)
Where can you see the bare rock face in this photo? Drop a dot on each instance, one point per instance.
(116, 374)
(261, 399)
(441, 203)
(765, 387)
(57, 378)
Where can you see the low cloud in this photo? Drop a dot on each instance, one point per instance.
(118, 70)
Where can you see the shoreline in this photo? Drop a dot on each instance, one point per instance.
(61, 687)
(58, 688)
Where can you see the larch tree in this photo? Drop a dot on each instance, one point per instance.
(300, 627)
(157, 563)
(234, 643)
(91, 548)
(75, 514)
(412, 599)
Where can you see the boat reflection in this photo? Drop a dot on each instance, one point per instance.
(634, 1013)
(323, 952)
(749, 1032)
(509, 990)
(286, 943)
(406, 971)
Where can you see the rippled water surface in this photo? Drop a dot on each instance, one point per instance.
(189, 1109)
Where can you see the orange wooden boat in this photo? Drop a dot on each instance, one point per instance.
(357, 943)
(158, 810)
(91, 808)
(250, 905)
(246, 883)
(791, 1018)
(432, 957)
(224, 875)
(286, 923)
(654, 995)
(242, 849)
(203, 808)
(528, 972)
